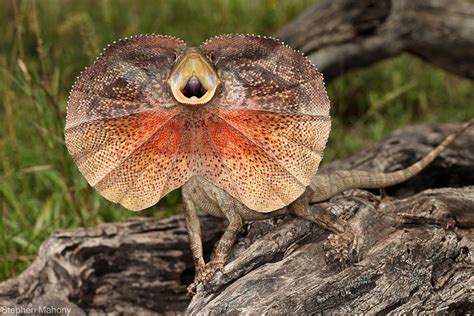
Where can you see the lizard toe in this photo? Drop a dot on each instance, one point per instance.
(205, 275)
(341, 249)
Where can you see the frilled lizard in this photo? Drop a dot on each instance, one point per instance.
(240, 123)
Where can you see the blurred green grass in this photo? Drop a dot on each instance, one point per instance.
(45, 44)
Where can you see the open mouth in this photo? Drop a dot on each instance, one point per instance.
(194, 88)
(193, 81)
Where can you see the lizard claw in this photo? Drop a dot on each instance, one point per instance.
(341, 249)
(204, 275)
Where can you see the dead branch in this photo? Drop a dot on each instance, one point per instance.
(339, 35)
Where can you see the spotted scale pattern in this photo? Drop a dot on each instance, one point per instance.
(260, 138)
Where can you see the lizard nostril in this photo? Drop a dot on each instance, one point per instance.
(194, 88)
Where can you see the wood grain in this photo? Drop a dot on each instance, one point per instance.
(416, 254)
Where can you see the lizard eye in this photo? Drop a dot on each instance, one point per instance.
(211, 57)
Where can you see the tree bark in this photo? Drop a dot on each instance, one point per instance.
(339, 35)
(141, 266)
(416, 250)
(416, 254)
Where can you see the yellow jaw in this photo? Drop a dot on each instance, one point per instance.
(193, 81)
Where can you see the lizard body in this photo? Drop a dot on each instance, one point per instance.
(240, 123)
(200, 194)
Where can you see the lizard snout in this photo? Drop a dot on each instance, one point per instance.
(194, 80)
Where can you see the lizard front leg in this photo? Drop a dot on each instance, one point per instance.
(225, 208)
(193, 227)
(224, 245)
(220, 253)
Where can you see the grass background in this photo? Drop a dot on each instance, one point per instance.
(45, 44)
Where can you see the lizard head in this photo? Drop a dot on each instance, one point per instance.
(247, 113)
(193, 80)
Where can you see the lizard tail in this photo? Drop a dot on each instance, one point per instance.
(327, 186)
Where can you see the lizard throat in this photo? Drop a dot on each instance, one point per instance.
(194, 80)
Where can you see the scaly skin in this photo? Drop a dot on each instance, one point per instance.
(240, 123)
(342, 244)
(135, 142)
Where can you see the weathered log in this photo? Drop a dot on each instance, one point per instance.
(143, 265)
(416, 253)
(339, 35)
